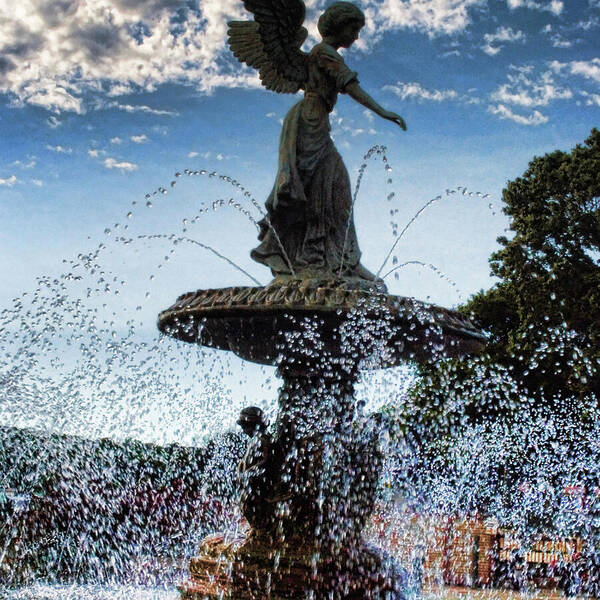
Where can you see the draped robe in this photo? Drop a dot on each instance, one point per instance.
(310, 205)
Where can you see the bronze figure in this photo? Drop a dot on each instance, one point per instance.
(309, 229)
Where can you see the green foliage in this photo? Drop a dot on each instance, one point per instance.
(544, 314)
(542, 361)
(98, 506)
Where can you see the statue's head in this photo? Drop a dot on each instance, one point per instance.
(251, 420)
(341, 21)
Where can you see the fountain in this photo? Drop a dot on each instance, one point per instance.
(309, 486)
(87, 513)
(309, 481)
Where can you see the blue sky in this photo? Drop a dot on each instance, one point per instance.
(103, 101)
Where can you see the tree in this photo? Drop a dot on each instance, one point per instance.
(542, 363)
(544, 314)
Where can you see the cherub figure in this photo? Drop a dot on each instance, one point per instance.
(256, 469)
(308, 230)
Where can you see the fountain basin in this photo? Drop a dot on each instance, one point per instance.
(249, 568)
(255, 322)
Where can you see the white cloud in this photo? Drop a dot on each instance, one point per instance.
(162, 130)
(589, 69)
(344, 127)
(113, 163)
(591, 99)
(139, 139)
(73, 55)
(10, 181)
(491, 50)
(119, 89)
(60, 149)
(53, 122)
(591, 23)
(37, 182)
(536, 118)
(210, 155)
(415, 90)
(54, 97)
(270, 115)
(434, 17)
(134, 108)
(63, 54)
(29, 164)
(502, 35)
(554, 6)
(560, 42)
(115, 140)
(523, 89)
(94, 152)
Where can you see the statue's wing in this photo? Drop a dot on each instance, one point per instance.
(271, 43)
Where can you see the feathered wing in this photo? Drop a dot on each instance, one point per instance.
(271, 43)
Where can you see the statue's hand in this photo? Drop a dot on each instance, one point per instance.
(391, 116)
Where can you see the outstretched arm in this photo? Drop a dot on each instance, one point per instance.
(354, 90)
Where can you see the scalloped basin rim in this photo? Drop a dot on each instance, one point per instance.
(248, 320)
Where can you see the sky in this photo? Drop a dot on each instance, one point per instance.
(104, 105)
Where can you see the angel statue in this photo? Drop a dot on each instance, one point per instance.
(308, 231)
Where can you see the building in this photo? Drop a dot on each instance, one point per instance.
(477, 552)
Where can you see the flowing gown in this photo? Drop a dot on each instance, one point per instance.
(310, 206)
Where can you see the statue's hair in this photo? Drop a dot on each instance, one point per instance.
(337, 15)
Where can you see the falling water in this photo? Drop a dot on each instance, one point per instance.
(97, 501)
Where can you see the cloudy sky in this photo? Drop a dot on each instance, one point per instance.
(103, 102)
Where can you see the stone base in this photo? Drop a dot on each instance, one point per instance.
(252, 569)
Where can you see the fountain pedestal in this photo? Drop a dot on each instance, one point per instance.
(254, 569)
(308, 492)
(309, 486)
